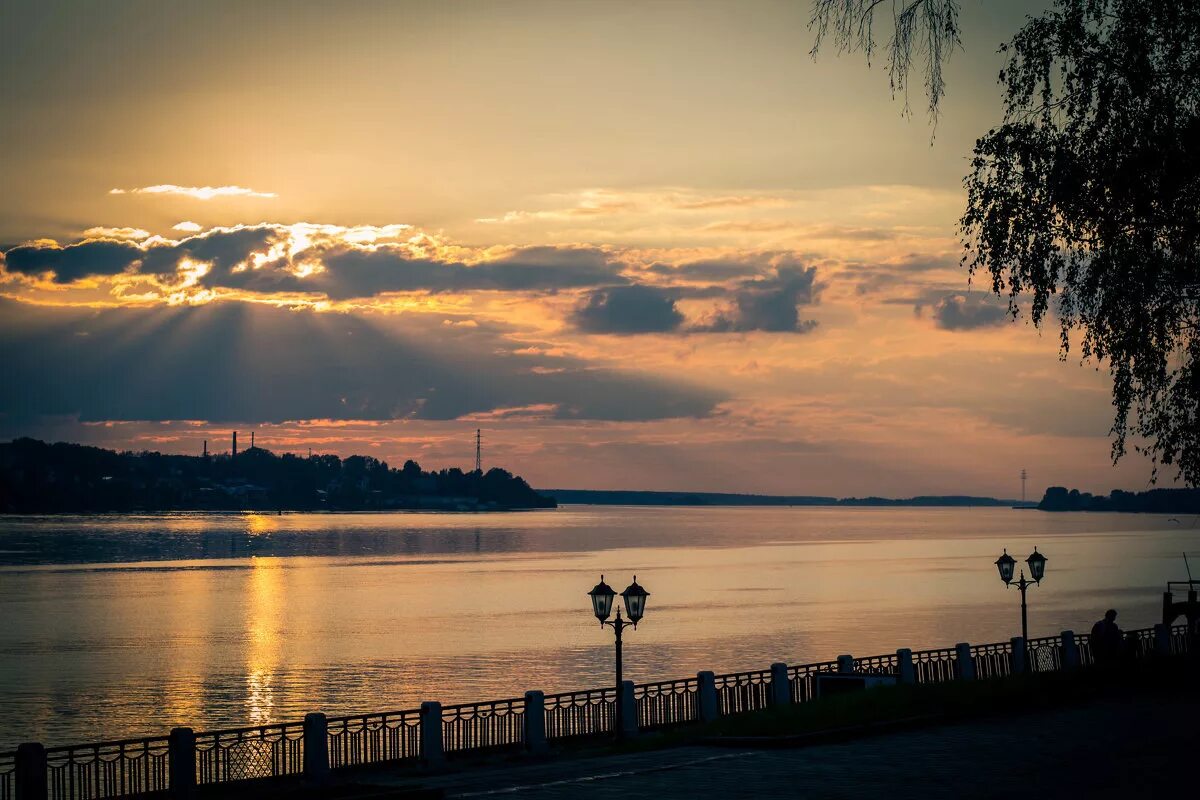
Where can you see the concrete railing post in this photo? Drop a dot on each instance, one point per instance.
(845, 664)
(1018, 661)
(964, 662)
(30, 772)
(181, 763)
(904, 666)
(316, 747)
(781, 685)
(708, 705)
(432, 753)
(628, 709)
(1070, 651)
(1162, 640)
(535, 722)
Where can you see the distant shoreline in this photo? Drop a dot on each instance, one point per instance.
(617, 497)
(1056, 500)
(269, 512)
(39, 478)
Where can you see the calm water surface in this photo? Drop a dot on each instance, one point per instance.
(116, 626)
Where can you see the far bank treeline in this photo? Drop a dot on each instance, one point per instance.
(36, 477)
(1155, 501)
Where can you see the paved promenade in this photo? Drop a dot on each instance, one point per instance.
(1142, 747)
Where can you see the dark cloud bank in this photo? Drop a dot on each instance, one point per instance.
(628, 309)
(240, 362)
(769, 303)
(759, 293)
(350, 272)
(959, 312)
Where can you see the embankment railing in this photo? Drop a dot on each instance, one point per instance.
(483, 726)
(584, 713)
(392, 737)
(238, 754)
(8, 766)
(179, 764)
(739, 692)
(107, 769)
(666, 703)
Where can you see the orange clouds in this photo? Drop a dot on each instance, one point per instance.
(196, 192)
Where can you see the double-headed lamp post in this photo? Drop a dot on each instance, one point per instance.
(635, 605)
(1037, 569)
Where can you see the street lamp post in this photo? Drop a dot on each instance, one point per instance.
(1006, 564)
(635, 605)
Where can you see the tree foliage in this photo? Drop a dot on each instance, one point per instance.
(924, 32)
(1083, 205)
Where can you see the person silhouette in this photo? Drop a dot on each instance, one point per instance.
(1107, 642)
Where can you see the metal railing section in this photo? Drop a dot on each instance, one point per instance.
(804, 687)
(1083, 641)
(935, 666)
(8, 768)
(738, 692)
(1044, 654)
(1141, 641)
(374, 738)
(240, 754)
(583, 713)
(107, 769)
(992, 660)
(877, 665)
(665, 703)
(483, 726)
(1179, 640)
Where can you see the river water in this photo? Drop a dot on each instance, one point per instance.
(120, 626)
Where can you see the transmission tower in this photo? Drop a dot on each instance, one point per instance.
(1023, 476)
(478, 452)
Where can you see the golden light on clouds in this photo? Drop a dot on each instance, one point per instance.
(705, 270)
(196, 192)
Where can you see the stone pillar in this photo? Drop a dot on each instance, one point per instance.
(904, 666)
(535, 722)
(30, 769)
(781, 685)
(181, 763)
(1162, 640)
(1070, 651)
(316, 747)
(628, 709)
(845, 665)
(1019, 662)
(964, 662)
(432, 754)
(708, 705)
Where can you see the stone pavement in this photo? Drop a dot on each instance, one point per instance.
(1143, 747)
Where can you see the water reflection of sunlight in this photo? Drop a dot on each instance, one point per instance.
(262, 635)
(258, 524)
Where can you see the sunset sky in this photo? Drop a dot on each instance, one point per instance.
(645, 245)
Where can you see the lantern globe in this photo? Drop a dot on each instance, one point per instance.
(602, 599)
(635, 600)
(1037, 565)
(1006, 564)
